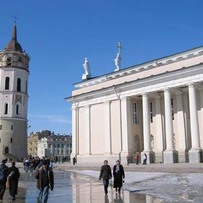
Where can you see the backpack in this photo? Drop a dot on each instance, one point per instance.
(3, 173)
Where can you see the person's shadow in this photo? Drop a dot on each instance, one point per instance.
(118, 199)
(106, 199)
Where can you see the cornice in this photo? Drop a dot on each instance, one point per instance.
(142, 67)
(151, 85)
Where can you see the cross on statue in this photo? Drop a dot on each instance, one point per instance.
(119, 47)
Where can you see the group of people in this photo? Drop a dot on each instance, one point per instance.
(9, 177)
(137, 158)
(118, 176)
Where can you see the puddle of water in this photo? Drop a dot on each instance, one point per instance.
(72, 187)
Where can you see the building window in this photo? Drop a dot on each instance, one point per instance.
(7, 81)
(61, 151)
(19, 85)
(20, 59)
(11, 140)
(11, 127)
(151, 112)
(0, 127)
(6, 108)
(135, 114)
(58, 145)
(172, 108)
(17, 109)
(9, 61)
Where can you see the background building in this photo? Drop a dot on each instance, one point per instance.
(14, 73)
(56, 146)
(33, 139)
(46, 144)
(154, 108)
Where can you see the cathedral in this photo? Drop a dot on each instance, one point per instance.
(14, 73)
(154, 108)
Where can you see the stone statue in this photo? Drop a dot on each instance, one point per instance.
(87, 73)
(117, 61)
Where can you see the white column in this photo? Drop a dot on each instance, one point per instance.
(159, 128)
(107, 116)
(126, 124)
(180, 122)
(169, 153)
(181, 128)
(159, 132)
(74, 131)
(193, 118)
(168, 120)
(146, 123)
(201, 113)
(87, 132)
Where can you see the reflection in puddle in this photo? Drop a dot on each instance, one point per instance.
(72, 187)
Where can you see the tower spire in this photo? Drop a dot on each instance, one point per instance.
(14, 34)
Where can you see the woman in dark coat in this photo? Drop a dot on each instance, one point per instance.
(13, 176)
(119, 175)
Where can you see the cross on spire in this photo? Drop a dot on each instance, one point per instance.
(15, 18)
(119, 47)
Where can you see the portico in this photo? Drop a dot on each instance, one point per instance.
(152, 108)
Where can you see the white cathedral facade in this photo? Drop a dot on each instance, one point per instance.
(154, 108)
(14, 73)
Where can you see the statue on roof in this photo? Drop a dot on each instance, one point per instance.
(117, 60)
(87, 73)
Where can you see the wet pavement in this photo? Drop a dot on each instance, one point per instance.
(76, 188)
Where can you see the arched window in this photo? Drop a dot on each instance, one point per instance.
(6, 150)
(19, 85)
(6, 108)
(7, 80)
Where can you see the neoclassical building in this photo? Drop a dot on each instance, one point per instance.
(14, 73)
(154, 108)
(59, 146)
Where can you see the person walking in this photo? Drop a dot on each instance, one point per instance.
(119, 176)
(13, 177)
(105, 175)
(45, 181)
(144, 159)
(137, 158)
(128, 159)
(3, 178)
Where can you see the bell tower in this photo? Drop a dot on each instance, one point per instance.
(14, 73)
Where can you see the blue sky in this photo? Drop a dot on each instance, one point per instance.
(58, 35)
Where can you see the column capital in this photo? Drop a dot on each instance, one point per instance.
(166, 89)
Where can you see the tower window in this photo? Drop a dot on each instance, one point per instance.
(20, 59)
(11, 140)
(17, 109)
(19, 85)
(7, 80)
(0, 127)
(6, 108)
(11, 127)
(9, 61)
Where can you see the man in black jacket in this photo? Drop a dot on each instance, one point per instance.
(45, 181)
(105, 174)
